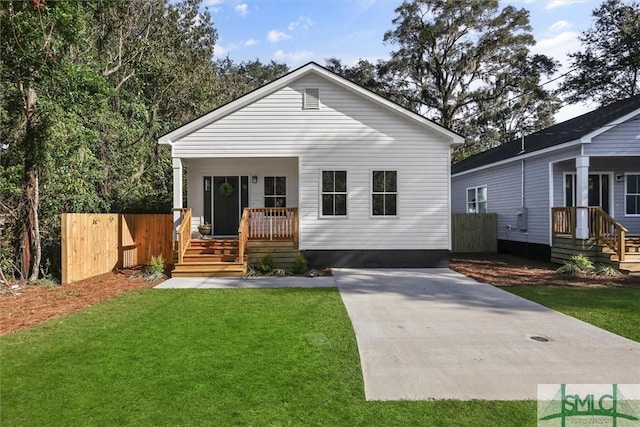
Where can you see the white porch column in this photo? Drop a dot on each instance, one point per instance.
(177, 193)
(582, 197)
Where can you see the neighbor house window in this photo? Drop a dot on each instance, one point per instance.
(384, 194)
(275, 191)
(632, 194)
(334, 193)
(477, 200)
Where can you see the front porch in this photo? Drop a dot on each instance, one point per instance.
(261, 231)
(605, 241)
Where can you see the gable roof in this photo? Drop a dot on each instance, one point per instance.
(580, 129)
(309, 69)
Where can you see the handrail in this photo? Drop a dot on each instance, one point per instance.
(183, 232)
(243, 234)
(608, 231)
(601, 227)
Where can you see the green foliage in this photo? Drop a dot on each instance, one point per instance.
(278, 272)
(465, 64)
(108, 78)
(300, 264)
(608, 65)
(578, 264)
(155, 269)
(266, 264)
(606, 270)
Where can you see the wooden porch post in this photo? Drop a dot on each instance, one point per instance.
(582, 197)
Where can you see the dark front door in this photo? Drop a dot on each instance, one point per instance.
(226, 207)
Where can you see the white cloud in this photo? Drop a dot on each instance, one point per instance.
(275, 36)
(561, 25)
(558, 46)
(251, 42)
(292, 57)
(242, 9)
(574, 110)
(212, 4)
(560, 3)
(219, 50)
(303, 22)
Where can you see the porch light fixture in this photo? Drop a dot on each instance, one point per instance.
(254, 179)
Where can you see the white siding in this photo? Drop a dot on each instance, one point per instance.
(349, 133)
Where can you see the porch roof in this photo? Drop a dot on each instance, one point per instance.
(578, 129)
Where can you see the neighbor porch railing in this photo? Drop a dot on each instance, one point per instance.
(601, 227)
(183, 233)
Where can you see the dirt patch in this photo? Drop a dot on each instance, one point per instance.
(23, 305)
(511, 270)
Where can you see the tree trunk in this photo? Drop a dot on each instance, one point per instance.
(31, 227)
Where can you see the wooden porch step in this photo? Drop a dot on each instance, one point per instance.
(211, 251)
(208, 269)
(206, 258)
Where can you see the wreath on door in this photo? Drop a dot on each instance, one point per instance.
(226, 189)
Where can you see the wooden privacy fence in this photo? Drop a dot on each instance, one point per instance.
(95, 244)
(474, 233)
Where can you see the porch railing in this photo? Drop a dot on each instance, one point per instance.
(183, 232)
(272, 223)
(601, 227)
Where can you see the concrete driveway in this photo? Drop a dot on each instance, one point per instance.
(436, 334)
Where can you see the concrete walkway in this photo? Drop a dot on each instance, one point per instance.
(436, 334)
(247, 282)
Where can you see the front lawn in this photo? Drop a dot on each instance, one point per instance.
(615, 309)
(211, 357)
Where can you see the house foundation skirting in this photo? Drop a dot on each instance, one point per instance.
(408, 258)
(536, 251)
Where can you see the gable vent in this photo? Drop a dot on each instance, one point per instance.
(311, 99)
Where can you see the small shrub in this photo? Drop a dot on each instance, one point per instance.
(266, 264)
(155, 269)
(578, 264)
(279, 272)
(252, 271)
(606, 270)
(300, 264)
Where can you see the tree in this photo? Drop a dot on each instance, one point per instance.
(608, 67)
(465, 60)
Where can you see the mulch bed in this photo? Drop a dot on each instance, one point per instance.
(511, 270)
(23, 305)
(27, 305)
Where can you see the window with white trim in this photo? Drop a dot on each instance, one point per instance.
(477, 199)
(275, 191)
(632, 194)
(334, 193)
(384, 193)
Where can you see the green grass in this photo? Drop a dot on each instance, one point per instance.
(259, 357)
(615, 309)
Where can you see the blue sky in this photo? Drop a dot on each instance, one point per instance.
(298, 31)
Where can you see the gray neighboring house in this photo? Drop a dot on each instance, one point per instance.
(575, 179)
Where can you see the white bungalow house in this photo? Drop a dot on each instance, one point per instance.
(315, 163)
(573, 187)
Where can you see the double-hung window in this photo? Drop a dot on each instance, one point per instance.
(384, 194)
(334, 193)
(632, 194)
(275, 192)
(477, 199)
